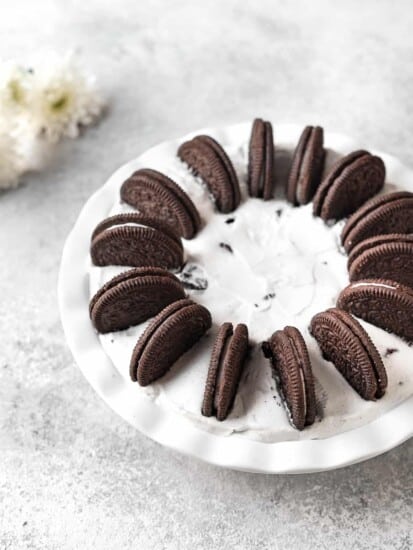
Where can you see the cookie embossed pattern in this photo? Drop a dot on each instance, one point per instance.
(264, 263)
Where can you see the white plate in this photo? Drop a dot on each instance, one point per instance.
(170, 428)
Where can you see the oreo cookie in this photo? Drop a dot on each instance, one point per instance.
(261, 160)
(156, 195)
(391, 213)
(227, 362)
(136, 240)
(386, 304)
(352, 181)
(386, 256)
(344, 342)
(207, 158)
(290, 361)
(307, 166)
(133, 297)
(175, 330)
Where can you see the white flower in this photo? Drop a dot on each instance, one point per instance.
(63, 99)
(53, 98)
(15, 89)
(10, 161)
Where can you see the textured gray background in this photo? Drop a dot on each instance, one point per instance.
(72, 474)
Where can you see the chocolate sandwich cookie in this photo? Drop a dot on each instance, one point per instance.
(227, 362)
(154, 194)
(391, 213)
(289, 357)
(132, 297)
(307, 166)
(207, 158)
(352, 181)
(345, 343)
(261, 160)
(387, 256)
(169, 335)
(386, 304)
(136, 240)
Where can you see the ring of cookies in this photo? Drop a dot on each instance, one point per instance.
(377, 237)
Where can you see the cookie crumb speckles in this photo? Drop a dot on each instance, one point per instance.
(226, 246)
(230, 220)
(193, 277)
(266, 349)
(321, 399)
(390, 351)
(279, 212)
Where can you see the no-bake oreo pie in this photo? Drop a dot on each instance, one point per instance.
(220, 267)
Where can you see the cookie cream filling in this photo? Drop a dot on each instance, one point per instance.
(129, 224)
(381, 285)
(267, 264)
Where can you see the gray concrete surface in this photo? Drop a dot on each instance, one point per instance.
(72, 474)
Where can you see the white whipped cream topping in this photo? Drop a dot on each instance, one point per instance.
(272, 266)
